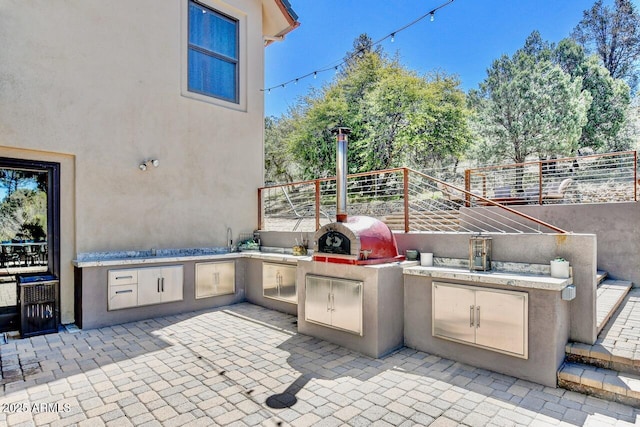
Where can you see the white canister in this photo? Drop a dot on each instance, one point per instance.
(560, 269)
(426, 259)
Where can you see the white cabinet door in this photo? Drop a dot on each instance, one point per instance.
(215, 278)
(453, 312)
(160, 284)
(317, 303)
(171, 283)
(149, 286)
(271, 280)
(288, 289)
(279, 282)
(501, 321)
(494, 319)
(346, 303)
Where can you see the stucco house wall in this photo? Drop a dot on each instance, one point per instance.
(99, 87)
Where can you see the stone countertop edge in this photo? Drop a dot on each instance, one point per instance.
(114, 262)
(517, 280)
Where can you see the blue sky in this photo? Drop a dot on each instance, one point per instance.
(464, 38)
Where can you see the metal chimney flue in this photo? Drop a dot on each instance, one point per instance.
(341, 172)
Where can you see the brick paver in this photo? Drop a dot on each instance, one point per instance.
(246, 365)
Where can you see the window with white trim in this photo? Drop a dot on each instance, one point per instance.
(213, 52)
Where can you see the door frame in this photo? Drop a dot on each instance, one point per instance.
(53, 215)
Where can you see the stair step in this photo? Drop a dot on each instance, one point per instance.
(604, 383)
(603, 356)
(601, 275)
(610, 295)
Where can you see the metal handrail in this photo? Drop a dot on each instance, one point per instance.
(468, 196)
(588, 173)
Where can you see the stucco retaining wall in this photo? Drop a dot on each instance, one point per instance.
(615, 224)
(547, 334)
(579, 249)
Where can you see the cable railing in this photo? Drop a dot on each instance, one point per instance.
(403, 198)
(599, 178)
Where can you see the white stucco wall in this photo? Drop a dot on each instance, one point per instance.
(98, 85)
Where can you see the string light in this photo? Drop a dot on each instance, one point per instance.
(431, 14)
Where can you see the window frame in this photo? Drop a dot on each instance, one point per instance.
(240, 62)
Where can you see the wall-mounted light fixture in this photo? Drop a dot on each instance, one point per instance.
(151, 162)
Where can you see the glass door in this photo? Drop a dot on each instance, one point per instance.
(28, 227)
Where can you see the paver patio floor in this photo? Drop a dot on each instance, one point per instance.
(246, 365)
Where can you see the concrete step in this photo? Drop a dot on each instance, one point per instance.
(601, 275)
(604, 383)
(618, 343)
(603, 356)
(609, 296)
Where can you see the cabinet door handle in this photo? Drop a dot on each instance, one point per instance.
(158, 287)
(477, 316)
(328, 302)
(162, 283)
(124, 292)
(471, 320)
(124, 277)
(333, 302)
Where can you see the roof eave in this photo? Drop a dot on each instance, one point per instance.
(291, 18)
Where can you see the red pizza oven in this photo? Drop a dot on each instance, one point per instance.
(359, 240)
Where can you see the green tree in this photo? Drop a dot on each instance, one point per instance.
(312, 144)
(607, 112)
(397, 117)
(614, 35)
(527, 105)
(278, 161)
(411, 120)
(23, 215)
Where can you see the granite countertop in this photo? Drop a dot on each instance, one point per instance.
(505, 278)
(123, 258)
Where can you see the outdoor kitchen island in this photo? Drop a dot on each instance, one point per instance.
(355, 306)
(124, 286)
(513, 323)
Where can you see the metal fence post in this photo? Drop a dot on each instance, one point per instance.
(540, 182)
(406, 199)
(317, 184)
(467, 187)
(260, 207)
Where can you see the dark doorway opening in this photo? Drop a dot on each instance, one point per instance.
(29, 227)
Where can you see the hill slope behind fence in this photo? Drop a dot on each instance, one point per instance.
(405, 199)
(408, 200)
(600, 178)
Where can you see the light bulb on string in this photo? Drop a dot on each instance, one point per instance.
(391, 36)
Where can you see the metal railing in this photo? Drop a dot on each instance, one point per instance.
(600, 178)
(405, 199)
